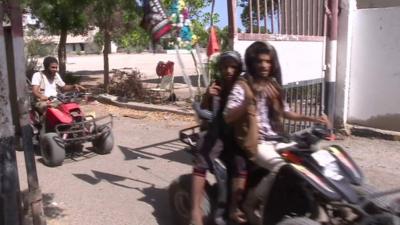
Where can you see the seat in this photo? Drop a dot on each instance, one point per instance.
(161, 93)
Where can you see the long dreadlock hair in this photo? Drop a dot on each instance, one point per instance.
(259, 85)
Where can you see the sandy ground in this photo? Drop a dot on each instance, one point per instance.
(130, 185)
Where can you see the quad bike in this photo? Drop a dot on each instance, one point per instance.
(316, 186)
(64, 127)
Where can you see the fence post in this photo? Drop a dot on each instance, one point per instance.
(332, 8)
(10, 207)
(232, 22)
(20, 107)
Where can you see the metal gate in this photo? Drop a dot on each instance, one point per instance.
(297, 29)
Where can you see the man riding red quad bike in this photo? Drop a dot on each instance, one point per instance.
(64, 126)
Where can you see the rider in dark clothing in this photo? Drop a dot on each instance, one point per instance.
(218, 139)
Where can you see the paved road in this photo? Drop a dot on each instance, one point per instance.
(145, 62)
(128, 187)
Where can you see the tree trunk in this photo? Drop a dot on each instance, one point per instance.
(106, 51)
(62, 53)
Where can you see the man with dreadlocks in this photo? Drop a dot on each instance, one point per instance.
(255, 109)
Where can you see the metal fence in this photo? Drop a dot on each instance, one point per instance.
(304, 97)
(291, 17)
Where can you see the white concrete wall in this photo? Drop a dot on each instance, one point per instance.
(374, 95)
(300, 60)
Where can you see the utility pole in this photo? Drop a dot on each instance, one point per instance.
(9, 185)
(12, 67)
(233, 30)
(332, 11)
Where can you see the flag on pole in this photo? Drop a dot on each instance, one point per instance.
(213, 44)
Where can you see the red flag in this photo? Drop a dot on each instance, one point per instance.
(213, 45)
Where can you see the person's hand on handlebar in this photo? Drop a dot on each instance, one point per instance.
(324, 120)
(78, 87)
(214, 89)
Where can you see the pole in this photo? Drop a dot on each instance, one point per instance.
(17, 71)
(10, 210)
(232, 22)
(331, 58)
(212, 13)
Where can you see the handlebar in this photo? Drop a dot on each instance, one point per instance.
(68, 96)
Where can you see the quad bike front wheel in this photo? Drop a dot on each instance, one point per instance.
(104, 143)
(385, 202)
(180, 200)
(52, 149)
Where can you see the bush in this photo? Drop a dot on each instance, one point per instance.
(70, 78)
(127, 85)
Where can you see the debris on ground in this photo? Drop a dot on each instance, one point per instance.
(127, 84)
(101, 109)
(134, 116)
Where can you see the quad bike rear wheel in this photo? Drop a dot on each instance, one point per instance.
(180, 200)
(298, 221)
(104, 143)
(52, 149)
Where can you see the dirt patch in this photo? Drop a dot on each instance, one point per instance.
(103, 109)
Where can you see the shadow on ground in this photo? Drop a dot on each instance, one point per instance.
(175, 151)
(76, 155)
(51, 209)
(99, 176)
(156, 197)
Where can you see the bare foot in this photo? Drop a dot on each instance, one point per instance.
(238, 216)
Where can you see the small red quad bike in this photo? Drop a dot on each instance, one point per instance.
(65, 127)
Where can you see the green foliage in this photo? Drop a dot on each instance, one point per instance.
(201, 32)
(223, 35)
(36, 48)
(195, 7)
(68, 15)
(114, 15)
(99, 39)
(136, 40)
(70, 78)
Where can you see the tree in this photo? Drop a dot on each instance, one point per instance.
(195, 7)
(113, 17)
(200, 19)
(61, 17)
(246, 18)
(223, 35)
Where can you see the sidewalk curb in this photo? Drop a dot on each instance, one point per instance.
(373, 132)
(112, 100)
